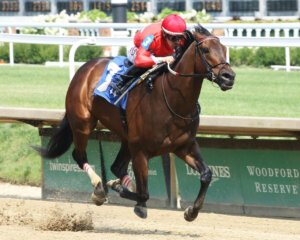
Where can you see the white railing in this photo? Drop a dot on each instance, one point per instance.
(248, 30)
(216, 125)
(230, 29)
(76, 41)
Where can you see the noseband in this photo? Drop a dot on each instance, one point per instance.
(209, 69)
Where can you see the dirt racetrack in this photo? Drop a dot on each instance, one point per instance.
(46, 220)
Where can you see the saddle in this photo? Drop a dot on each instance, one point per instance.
(149, 75)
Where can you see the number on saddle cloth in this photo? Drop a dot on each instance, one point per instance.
(103, 89)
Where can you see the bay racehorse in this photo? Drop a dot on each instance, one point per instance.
(160, 121)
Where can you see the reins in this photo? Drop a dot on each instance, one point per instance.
(193, 118)
(209, 75)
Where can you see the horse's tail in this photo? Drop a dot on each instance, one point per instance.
(59, 143)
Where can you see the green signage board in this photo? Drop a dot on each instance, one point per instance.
(156, 181)
(270, 177)
(245, 177)
(63, 173)
(243, 180)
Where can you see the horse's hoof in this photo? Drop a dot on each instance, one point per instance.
(112, 183)
(99, 196)
(115, 185)
(140, 211)
(190, 214)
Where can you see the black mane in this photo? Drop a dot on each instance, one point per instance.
(189, 39)
(202, 30)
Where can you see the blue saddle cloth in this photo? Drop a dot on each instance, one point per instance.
(104, 89)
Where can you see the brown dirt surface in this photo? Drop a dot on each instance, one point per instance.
(46, 220)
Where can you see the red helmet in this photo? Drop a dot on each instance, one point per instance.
(174, 25)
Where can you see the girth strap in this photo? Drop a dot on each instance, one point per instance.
(124, 119)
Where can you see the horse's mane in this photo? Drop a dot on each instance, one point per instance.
(202, 30)
(189, 39)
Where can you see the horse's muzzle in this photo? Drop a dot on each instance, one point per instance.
(226, 79)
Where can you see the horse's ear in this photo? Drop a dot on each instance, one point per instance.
(202, 30)
(189, 36)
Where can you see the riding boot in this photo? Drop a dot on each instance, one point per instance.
(122, 79)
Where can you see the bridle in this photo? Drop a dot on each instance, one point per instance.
(209, 75)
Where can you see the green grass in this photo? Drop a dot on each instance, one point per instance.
(27, 86)
(18, 162)
(33, 86)
(257, 92)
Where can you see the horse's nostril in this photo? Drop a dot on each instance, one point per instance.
(228, 75)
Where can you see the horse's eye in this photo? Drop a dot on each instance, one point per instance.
(206, 50)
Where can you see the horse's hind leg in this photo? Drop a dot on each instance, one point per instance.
(120, 166)
(80, 136)
(193, 158)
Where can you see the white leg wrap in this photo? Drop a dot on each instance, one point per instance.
(129, 183)
(95, 179)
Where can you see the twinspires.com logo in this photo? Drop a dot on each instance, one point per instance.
(55, 165)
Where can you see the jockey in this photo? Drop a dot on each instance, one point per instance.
(152, 45)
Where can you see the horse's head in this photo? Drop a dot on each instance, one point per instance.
(212, 54)
(210, 57)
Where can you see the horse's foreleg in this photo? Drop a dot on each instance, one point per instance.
(120, 166)
(193, 158)
(140, 168)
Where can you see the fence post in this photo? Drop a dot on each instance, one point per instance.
(61, 51)
(90, 41)
(227, 55)
(287, 59)
(258, 32)
(268, 32)
(11, 49)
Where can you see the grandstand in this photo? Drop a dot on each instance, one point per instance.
(217, 8)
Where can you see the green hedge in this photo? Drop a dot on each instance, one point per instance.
(39, 54)
(263, 56)
(84, 53)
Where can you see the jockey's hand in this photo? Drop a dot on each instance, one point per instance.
(168, 59)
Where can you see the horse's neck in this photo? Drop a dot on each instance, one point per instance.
(185, 90)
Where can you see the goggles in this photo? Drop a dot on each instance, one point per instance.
(176, 38)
